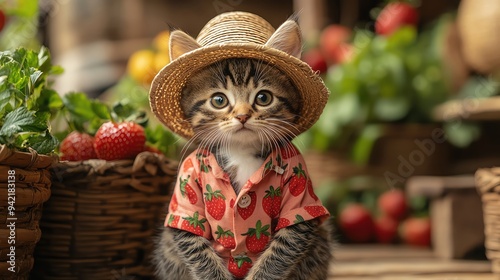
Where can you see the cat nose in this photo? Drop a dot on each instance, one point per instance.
(242, 118)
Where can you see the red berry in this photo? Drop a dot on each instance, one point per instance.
(298, 181)
(271, 203)
(282, 223)
(187, 165)
(416, 231)
(119, 140)
(187, 190)
(356, 223)
(257, 238)
(315, 59)
(173, 221)
(386, 229)
(246, 212)
(174, 204)
(215, 203)
(239, 266)
(331, 41)
(395, 15)
(193, 224)
(316, 210)
(393, 204)
(78, 146)
(225, 238)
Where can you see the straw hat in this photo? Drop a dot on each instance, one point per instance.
(233, 35)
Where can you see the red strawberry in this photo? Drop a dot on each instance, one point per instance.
(174, 203)
(78, 146)
(288, 152)
(239, 266)
(298, 181)
(187, 164)
(316, 211)
(173, 220)
(225, 238)
(282, 223)
(257, 238)
(215, 203)
(119, 140)
(310, 190)
(395, 15)
(193, 225)
(3, 19)
(248, 211)
(272, 202)
(186, 189)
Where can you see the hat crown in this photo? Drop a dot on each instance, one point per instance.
(235, 28)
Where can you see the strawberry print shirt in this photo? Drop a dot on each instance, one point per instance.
(277, 195)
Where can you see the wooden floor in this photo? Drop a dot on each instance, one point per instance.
(363, 262)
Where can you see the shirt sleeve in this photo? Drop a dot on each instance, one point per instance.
(186, 210)
(299, 203)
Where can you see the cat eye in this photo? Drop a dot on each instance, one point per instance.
(219, 100)
(263, 98)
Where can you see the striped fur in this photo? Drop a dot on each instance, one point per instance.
(297, 252)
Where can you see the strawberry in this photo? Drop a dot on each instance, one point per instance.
(316, 211)
(193, 225)
(187, 164)
(257, 238)
(202, 158)
(248, 211)
(215, 203)
(173, 220)
(77, 146)
(282, 223)
(174, 204)
(288, 152)
(310, 190)
(225, 238)
(119, 140)
(298, 181)
(239, 266)
(186, 189)
(395, 15)
(272, 202)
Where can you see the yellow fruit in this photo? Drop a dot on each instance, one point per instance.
(161, 59)
(141, 66)
(160, 42)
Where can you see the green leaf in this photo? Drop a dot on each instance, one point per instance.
(461, 134)
(22, 120)
(101, 110)
(79, 105)
(43, 143)
(363, 146)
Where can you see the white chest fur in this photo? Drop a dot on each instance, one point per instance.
(244, 162)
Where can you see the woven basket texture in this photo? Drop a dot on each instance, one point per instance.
(488, 184)
(29, 189)
(102, 217)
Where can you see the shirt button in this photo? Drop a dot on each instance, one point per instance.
(244, 201)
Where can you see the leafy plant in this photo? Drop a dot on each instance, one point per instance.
(27, 104)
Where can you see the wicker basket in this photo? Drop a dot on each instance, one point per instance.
(102, 216)
(25, 192)
(478, 25)
(488, 184)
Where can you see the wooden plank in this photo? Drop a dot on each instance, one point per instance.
(397, 267)
(440, 276)
(370, 252)
(471, 109)
(435, 186)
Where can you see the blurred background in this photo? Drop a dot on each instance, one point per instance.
(413, 111)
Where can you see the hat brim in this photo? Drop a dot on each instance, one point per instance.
(167, 86)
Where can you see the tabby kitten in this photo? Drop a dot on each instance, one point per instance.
(242, 111)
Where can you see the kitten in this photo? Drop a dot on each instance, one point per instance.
(243, 113)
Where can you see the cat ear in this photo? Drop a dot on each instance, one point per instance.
(287, 38)
(181, 43)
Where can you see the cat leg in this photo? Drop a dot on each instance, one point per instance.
(195, 259)
(315, 263)
(287, 248)
(167, 262)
